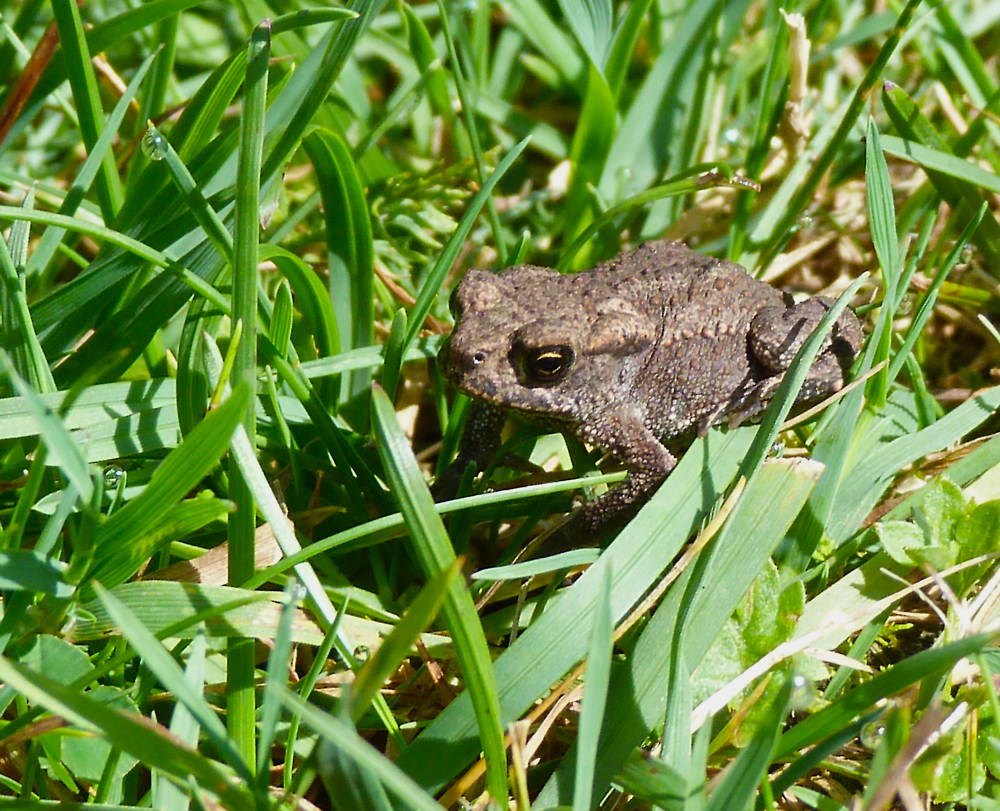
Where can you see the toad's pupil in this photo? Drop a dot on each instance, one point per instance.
(550, 363)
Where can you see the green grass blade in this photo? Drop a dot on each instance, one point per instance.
(277, 673)
(349, 744)
(53, 432)
(687, 621)
(882, 215)
(737, 787)
(772, 236)
(433, 549)
(434, 280)
(532, 19)
(394, 355)
(181, 471)
(168, 796)
(349, 243)
(926, 307)
(241, 700)
(881, 211)
(146, 741)
(52, 237)
(399, 643)
(592, 25)
(591, 141)
(925, 665)
(311, 297)
(784, 397)
(30, 571)
(552, 646)
(19, 335)
(88, 101)
(595, 697)
(171, 676)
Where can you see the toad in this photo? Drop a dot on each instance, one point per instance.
(637, 356)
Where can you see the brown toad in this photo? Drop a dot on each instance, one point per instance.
(637, 356)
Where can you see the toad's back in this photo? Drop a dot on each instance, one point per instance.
(703, 307)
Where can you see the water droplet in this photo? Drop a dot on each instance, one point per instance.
(112, 477)
(871, 734)
(731, 136)
(154, 145)
(905, 306)
(361, 654)
(803, 693)
(804, 222)
(967, 255)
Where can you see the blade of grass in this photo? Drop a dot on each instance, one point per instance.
(595, 696)
(18, 330)
(432, 284)
(241, 693)
(771, 234)
(349, 245)
(926, 307)
(83, 83)
(54, 434)
(277, 673)
(350, 744)
(467, 99)
(691, 616)
(244, 455)
(399, 643)
(118, 538)
(166, 795)
(171, 676)
(88, 171)
(145, 740)
(552, 646)
(784, 397)
(433, 549)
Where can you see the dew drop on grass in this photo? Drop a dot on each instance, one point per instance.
(112, 476)
(732, 136)
(871, 734)
(154, 145)
(803, 693)
(361, 654)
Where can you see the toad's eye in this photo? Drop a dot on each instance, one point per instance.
(548, 364)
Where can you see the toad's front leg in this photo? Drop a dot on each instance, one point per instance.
(648, 462)
(479, 445)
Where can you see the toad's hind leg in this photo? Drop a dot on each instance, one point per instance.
(777, 334)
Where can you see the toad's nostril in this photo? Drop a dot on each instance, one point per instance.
(479, 358)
